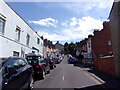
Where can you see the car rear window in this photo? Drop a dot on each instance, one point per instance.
(33, 61)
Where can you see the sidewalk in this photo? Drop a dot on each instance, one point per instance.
(110, 81)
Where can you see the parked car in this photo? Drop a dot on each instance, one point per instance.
(40, 66)
(61, 58)
(90, 64)
(56, 60)
(16, 73)
(51, 62)
(72, 60)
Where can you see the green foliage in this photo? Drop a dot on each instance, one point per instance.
(70, 48)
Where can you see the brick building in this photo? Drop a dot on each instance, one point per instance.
(102, 50)
(115, 31)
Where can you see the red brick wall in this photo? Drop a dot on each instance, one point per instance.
(100, 47)
(105, 65)
(100, 41)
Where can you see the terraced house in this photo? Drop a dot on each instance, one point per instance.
(17, 38)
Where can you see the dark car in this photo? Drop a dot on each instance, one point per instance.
(56, 60)
(72, 60)
(90, 64)
(40, 66)
(16, 73)
(51, 63)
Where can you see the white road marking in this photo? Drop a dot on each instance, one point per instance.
(63, 78)
(60, 88)
(98, 82)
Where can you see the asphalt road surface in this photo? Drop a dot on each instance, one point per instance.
(67, 76)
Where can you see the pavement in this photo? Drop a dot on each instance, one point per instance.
(70, 77)
(111, 82)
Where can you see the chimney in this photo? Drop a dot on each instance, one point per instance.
(105, 25)
(96, 31)
(42, 37)
(89, 36)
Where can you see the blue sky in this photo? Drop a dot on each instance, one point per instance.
(64, 21)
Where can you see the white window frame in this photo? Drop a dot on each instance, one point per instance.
(109, 42)
(18, 32)
(2, 28)
(28, 39)
(38, 40)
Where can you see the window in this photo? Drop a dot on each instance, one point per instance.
(28, 39)
(15, 53)
(109, 42)
(2, 24)
(17, 33)
(38, 41)
(89, 44)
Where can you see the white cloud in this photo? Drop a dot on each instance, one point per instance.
(53, 37)
(79, 8)
(64, 24)
(74, 21)
(84, 7)
(89, 23)
(105, 4)
(46, 22)
(85, 26)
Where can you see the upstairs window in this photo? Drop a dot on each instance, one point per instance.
(89, 45)
(2, 25)
(27, 39)
(15, 53)
(38, 41)
(109, 42)
(17, 31)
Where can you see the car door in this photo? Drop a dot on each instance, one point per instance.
(11, 78)
(25, 71)
(47, 64)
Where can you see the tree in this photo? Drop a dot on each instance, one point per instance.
(72, 48)
(66, 45)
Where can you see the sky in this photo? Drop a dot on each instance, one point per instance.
(64, 21)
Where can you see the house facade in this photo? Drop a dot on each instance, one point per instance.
(102, 50)
(49, 49)
(59, 48)
(115, 31)
(17, 38)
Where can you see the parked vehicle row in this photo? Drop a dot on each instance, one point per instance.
(40, 66)
(51, 63)
(17, 72)
(57, 60)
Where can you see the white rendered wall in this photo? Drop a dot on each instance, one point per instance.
(8, 44)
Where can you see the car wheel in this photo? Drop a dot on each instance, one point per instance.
(54, 66)
(30, 86)
(48, 71)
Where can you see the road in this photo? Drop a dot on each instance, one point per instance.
(67, 76)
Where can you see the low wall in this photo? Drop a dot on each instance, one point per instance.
(105, 65)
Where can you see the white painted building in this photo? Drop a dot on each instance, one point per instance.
(89, 48)
(16, 36)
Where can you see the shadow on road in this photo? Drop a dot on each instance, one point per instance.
(84, 88)
(36, 78)
(110, 81)
(92, 87)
